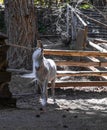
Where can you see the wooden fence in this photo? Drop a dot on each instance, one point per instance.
(95, 62)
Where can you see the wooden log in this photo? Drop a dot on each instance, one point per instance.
(92, 68)
(60, 84)
(97, 47)
(94, 20)
(74, 53)
(93, 59)
(5, 76)
(81, 73)
(95, 69)
(79, 18)
(100, 41)
(103, 45)
(102, 50)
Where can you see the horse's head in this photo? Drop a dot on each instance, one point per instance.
(38, 56)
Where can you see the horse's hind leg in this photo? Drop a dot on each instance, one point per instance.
(53, 90)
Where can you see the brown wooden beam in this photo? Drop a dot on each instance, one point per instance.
(60, 84)
(74, 53)
(81, 73)
(81, 63)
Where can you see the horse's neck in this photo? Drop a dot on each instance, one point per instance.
(43, 64)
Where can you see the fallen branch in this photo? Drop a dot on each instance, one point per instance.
(96, 21)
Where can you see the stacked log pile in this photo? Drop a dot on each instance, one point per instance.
(5, 77)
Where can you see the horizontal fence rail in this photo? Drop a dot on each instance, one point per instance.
(90, 55)
(81, 73)
(81, 63)
(74, 53)
(79, 84)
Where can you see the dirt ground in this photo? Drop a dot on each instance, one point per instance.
(75, 108)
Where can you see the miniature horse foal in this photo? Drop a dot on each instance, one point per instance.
(45, 71)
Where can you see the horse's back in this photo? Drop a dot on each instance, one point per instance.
(52, 69)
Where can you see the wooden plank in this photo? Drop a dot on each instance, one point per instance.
(95, 69)
(5, 76)
(92, 68)
(59, 84)
(81, 63)
(81, 73)
(97, 47)
(78, 16)
(74, 53)
(100, 41)
(93, 59)
(103, 45)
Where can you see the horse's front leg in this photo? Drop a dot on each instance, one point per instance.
(44, 93)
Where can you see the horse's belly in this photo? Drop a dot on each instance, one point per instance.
(52, 69)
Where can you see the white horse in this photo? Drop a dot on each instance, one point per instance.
(45, 71)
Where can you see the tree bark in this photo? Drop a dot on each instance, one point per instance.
(21, 30)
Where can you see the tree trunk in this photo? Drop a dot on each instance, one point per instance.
(21, 30)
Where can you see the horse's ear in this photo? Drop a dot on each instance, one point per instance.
(39, 44)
